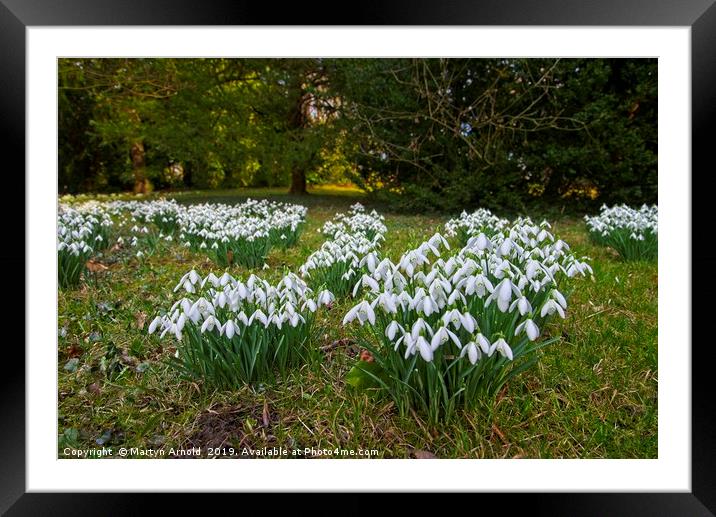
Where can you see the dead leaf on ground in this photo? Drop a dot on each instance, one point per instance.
(140, 319)
(265, 414)
(95, 267)
(366, 356)
(128, 359)
(94, 388)
(337, 343)
(74, 351)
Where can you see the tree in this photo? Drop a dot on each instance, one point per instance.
(296, 110)
(226, 121)
(450, 133)
(424, 133)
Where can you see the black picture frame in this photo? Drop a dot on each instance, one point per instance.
(700, 15)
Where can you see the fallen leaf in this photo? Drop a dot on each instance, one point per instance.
(265, 414)
(128, 359)
(94, 388)
(95, 267)
(366, 356)
(140, 319)
(337, 343)
(74, 351)
(424, 455)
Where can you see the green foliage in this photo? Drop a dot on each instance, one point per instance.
(70, 267)
(629, 248)
(226, 122)
(256, 354)
(422, 134)
(438, 134)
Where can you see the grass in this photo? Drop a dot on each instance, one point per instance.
(593, 394)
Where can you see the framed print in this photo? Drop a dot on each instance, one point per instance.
(192, 102)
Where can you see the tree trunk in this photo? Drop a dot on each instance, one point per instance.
(298, 122)
(139, 167)
(298, 181)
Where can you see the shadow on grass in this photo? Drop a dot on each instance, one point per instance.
(328, 196)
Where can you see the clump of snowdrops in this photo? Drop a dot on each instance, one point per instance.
(165, 215)
(357, 221)
(446, 330)
(229, 332)
(242, 234)
(355, 240)
(81, 232)
(471, 225)
(633, 233)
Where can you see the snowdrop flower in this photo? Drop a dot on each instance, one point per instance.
(522, 304)
(484, 344)
(441, 336)
(438, 239)
(259, 315)
(419, 327)
(468, 322)
(426, 351)
(505, 247)
(502, 348)
(392, 329)
(472, 351)
(530, 328)
(243, 318)
(556, 295)
(550, 307)
(503, 294)
(453, 317)
(427, 306)
(230, 329)
(409, 343)
(154, 324)
(212, 279)
(209, 323)
(325, 297)
(310, 305)
(363, 311)
(386, 301)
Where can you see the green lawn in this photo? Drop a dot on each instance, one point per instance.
(592, 395)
